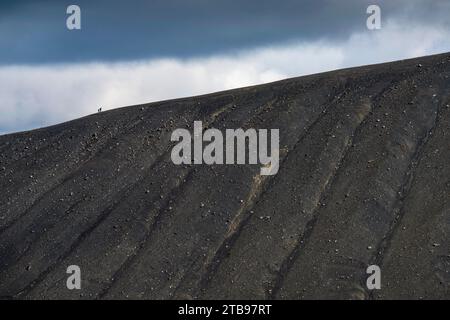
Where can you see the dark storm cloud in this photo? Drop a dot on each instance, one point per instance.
(35, 31)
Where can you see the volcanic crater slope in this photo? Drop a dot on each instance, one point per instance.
(364, 179)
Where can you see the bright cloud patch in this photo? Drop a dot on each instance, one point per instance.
(35, 96)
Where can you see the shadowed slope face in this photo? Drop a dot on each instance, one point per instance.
(363, 179)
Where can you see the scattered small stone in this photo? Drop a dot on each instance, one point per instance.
(419, 65)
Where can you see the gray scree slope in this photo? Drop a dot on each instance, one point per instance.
(364, 179)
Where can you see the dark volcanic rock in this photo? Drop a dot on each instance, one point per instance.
(364, 179)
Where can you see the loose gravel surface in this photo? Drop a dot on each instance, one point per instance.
(364, 179)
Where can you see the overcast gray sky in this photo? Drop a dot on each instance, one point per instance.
(130, 52)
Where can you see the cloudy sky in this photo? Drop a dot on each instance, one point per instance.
(131, 52)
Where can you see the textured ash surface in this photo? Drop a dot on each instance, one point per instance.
(364, 179)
